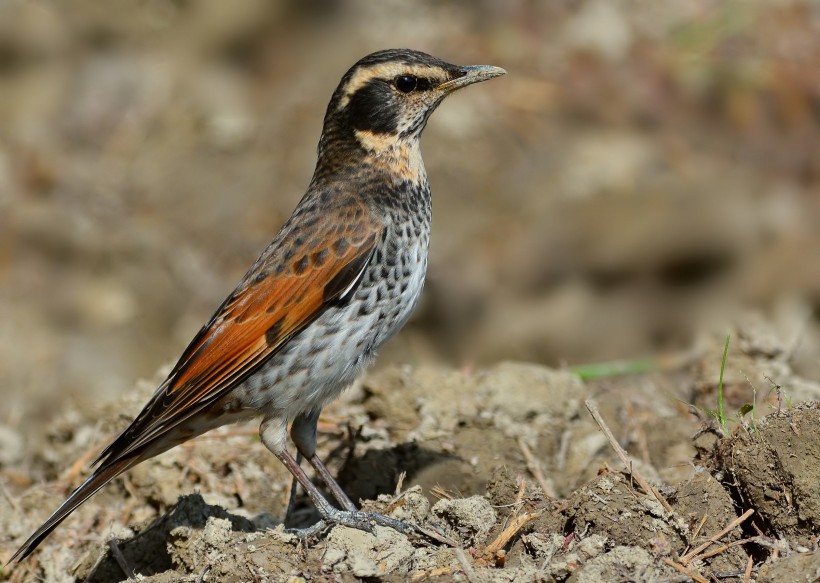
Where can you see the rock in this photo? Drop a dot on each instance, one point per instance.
(473, 514)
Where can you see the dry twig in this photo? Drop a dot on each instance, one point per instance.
(127, 570)
(469, 572)
(697, 532)
(724, 548)
(522, 490)
(400, 482)
(437, 572)
(693, 553)
(628, 464)
(534, 466)
(686, 571)
(506, 535)
(436, 536)
(441, 493)
(747, 575)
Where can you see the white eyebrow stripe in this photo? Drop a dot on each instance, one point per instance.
(384, 71)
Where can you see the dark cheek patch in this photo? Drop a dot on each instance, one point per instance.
(372, 108)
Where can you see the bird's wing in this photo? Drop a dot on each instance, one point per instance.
(289, 287)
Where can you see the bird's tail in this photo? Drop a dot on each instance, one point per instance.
(103, 475)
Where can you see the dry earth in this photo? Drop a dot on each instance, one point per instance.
(503, 470)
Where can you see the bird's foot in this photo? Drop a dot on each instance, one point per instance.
(367, 520)
(357, 519)
(310, 532)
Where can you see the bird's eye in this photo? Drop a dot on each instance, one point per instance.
(406, 83)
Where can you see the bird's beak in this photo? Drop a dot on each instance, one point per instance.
(469, 75)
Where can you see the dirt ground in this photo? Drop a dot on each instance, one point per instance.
(503, 471)
(644, 179)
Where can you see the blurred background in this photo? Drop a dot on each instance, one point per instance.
(645, 170)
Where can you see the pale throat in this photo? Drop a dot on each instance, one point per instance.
(400, 155)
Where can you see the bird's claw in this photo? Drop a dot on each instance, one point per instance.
(310, 532)
(365, 521)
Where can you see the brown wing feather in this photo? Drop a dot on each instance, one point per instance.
(287, 289)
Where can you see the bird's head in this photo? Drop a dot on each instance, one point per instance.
(385, 99)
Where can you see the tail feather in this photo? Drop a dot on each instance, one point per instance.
(97, 480)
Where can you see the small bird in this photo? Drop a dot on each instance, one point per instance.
(340, 278)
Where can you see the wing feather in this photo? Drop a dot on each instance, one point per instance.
(288, 288)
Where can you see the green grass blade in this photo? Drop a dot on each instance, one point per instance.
(614, 368)
(721, 406)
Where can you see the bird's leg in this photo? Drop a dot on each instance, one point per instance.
(273, 432)
(303, 434)
(332, 484)
(294, 487)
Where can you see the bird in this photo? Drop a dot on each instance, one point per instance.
(341, 276)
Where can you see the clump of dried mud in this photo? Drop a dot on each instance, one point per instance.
(502, 470)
